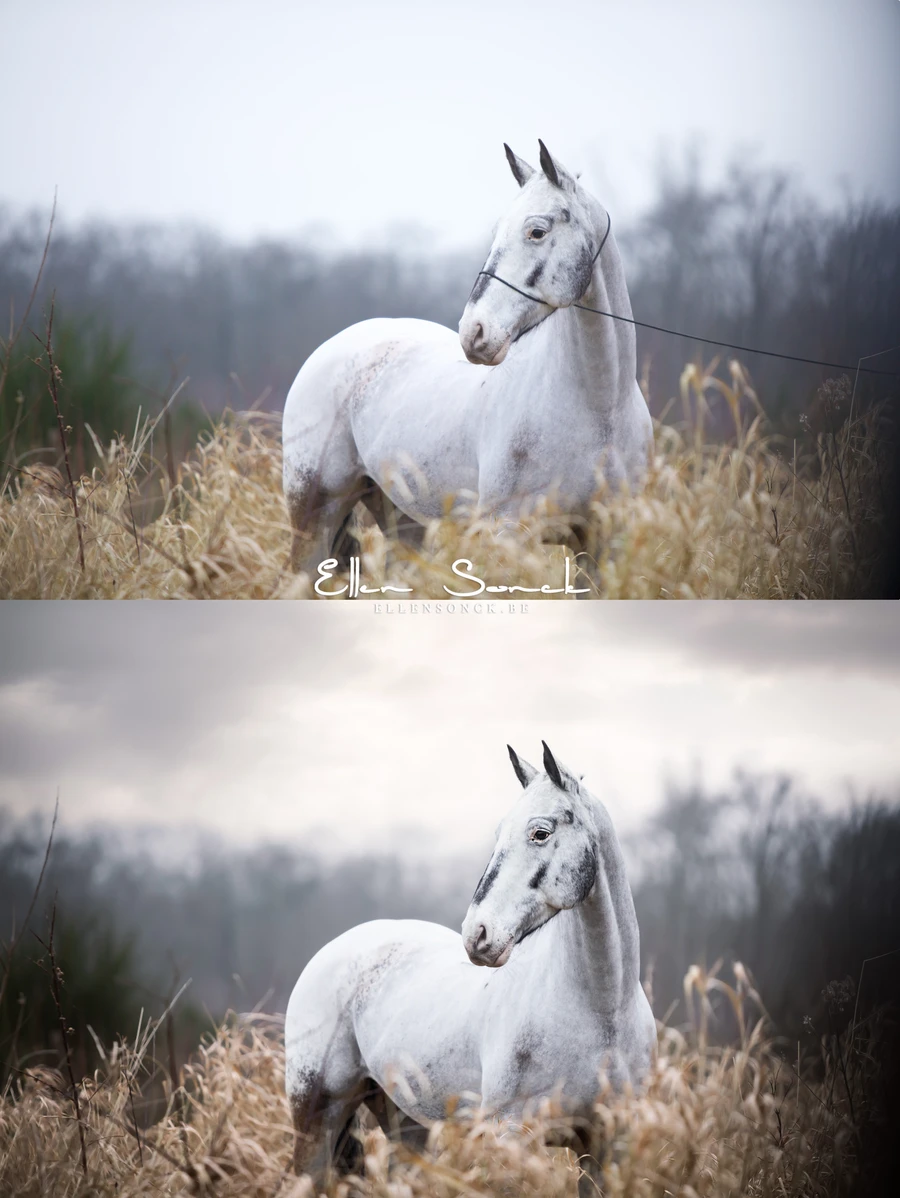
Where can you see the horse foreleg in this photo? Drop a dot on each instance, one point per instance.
(589, 1149)
(590, 1179)
(583, 1138)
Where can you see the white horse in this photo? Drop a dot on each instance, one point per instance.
(533, 398)
(394, 1015)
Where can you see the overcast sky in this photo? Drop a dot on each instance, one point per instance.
(333, 726)
(269, 117)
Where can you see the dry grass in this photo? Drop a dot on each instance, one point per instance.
(713, 1122)
(748, 519)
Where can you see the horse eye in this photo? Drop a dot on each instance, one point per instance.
(536, 234)
(540, 835)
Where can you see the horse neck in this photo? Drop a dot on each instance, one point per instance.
(599, 941)
(598, 354)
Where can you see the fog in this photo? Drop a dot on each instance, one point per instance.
(268, 119)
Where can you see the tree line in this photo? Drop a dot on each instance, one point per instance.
(749, 259)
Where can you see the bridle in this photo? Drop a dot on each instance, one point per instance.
(657, 328)
(536, 299)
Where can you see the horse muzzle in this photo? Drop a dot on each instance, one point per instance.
(482, 950)
(482, 346)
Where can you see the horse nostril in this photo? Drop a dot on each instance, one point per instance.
(478, 339)
(481, 938)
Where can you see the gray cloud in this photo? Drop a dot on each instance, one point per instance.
(151, 680)
(326, 720)
(833, 638)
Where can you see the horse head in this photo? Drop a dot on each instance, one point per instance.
(545, 245)
(544, 862)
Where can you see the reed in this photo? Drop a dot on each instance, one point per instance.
(743, 1119)
(752, 516)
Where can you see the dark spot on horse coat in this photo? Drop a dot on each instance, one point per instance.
(522, 445)
(488, 878)
(301, 495)
(569, 816)
(479, 289)
(482, 281)
(370, 977)
(518, 451)
(369, 371)
(582, 273)
(565, 214)
(307, 1089)
(585, 874)
(539, 876)
(525, 1044)
(535, 274)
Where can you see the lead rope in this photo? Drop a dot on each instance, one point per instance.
(642, 324)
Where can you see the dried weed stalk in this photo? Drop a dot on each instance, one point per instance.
(712, 1121)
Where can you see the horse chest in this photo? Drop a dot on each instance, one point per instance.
(540, 1056)
(550, 450)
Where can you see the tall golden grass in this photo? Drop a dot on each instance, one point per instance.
(755, 517)
(712, 1121)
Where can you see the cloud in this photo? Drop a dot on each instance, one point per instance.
(145, 682)
(836, 638)
(327, 721)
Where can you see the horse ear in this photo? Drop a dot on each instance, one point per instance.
(555, 171)
(524, 772)
(522, 172)
(557, 773)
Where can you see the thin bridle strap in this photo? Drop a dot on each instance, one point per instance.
(535, 298)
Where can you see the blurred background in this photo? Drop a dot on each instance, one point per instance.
(237, 183)
(239, 785)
